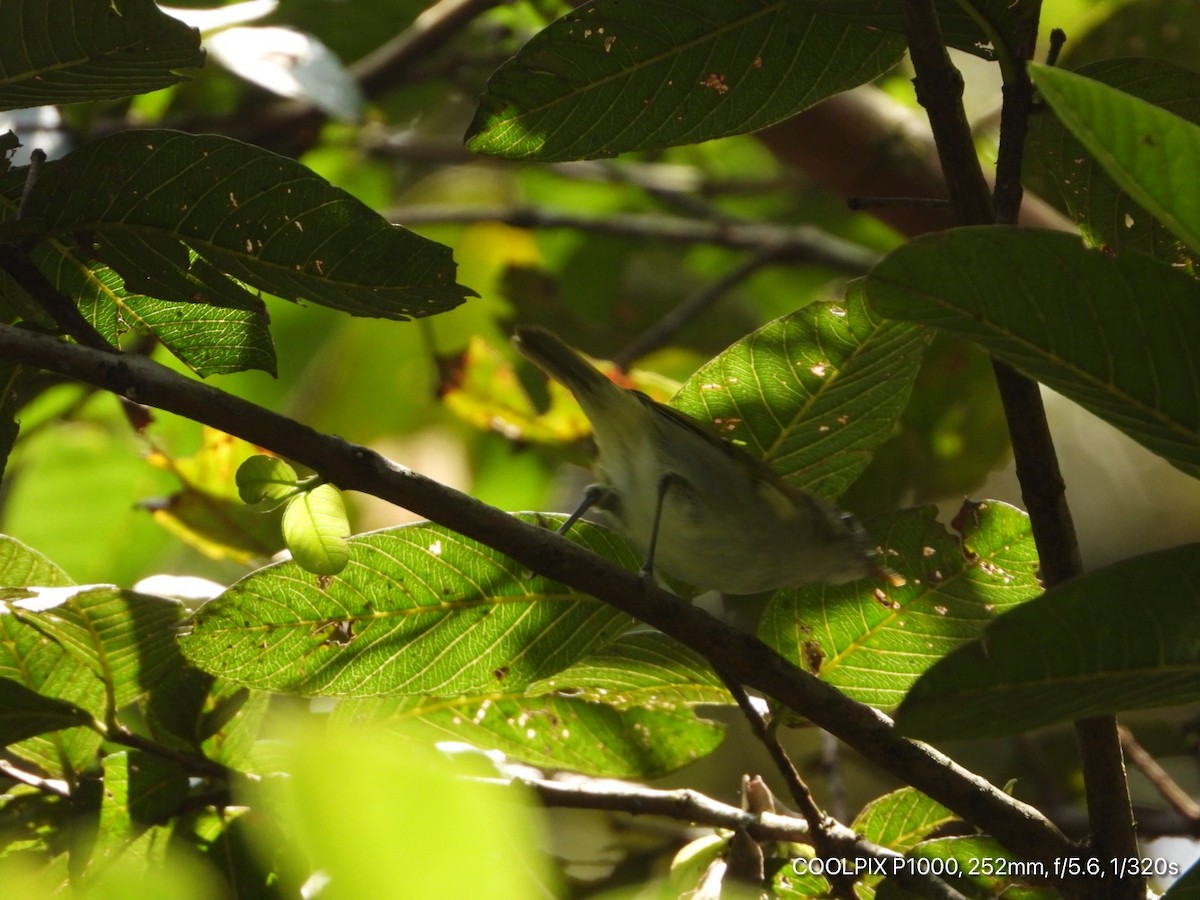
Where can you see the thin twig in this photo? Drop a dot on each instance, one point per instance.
(796, 243)
(1019, 826)
(62, 310)
(53, 786)
(1166, 786)
(691, 308)
(939, 90)
(37, 159)
(579, 792)
(821, 825)
(389, 65)
(860, 203)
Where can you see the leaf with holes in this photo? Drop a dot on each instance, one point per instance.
(65, 51)
(1115, 334)
(813, 393)
(554, 731)
(417, 610)
(1060, 169)
(1146, 149)
(253, 215)
(612, 76)
(874, 647)
(1122, 637)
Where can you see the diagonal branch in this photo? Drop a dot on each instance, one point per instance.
(1020, 827)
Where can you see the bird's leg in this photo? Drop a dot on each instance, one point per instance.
(664, 484)
(592, 494)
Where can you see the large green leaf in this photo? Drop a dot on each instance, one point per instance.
(417, 610)
(122, 637)
(1060, 169)
(624, 711)
(984, 28)
(65, 51)
(260, 218)
(612, 76)
(874, 648)
(1115, 334)
(1149, 151)
(1123, 637)
(814, 393)
(554, 731)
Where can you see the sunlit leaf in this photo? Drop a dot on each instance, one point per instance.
(873, 646)
(1113, 334)
(557, 730)
(901, 820)
(207, 512)
(417, 610)
(1148, 150)
(1122, 637)
(1060, 169)
(123, 638)
(262, 477)
(315, 529)
(813, 393)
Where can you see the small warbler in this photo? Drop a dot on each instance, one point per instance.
(700, 508)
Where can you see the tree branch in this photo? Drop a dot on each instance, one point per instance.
(687, 805)
(1020, 827)
(939, 90)
(791, 243)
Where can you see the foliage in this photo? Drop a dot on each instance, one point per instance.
(146, 724)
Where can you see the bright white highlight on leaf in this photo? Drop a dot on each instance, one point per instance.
(291, 64)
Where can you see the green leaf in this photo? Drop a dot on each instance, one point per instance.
(611, 76)
(418, 610)
(1147, 150)
(874, 646)
(898, 821)
(1059, 168)
(814, 393)
(901, 820)
(364, 836)
(260, 218)
(979, 866)
(125, 639)
(315, 529)
(975, 27)
(1123, 637)
(555, 731)
(645, 669)
(209, 339)
(21, 565)
(624, 711)
(25, 713)
(139, 790)
(207, 512)
(263, 477)
(1113, 334)
(64, 51)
